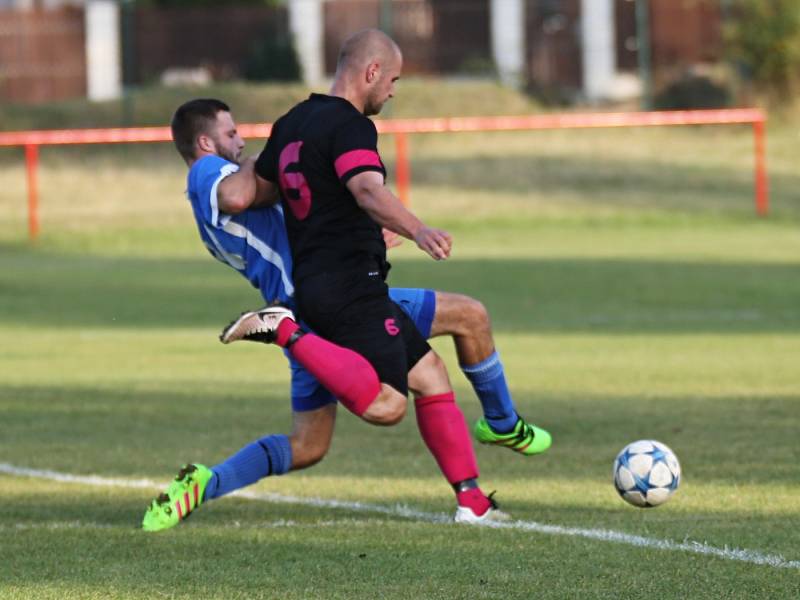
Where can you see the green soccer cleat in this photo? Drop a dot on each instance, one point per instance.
(182, 497)
(524, 438)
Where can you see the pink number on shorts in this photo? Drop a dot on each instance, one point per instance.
(391, 327)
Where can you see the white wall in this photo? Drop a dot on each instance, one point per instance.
(598, 48)
(306, 25)
(103, 55)
(508, 40)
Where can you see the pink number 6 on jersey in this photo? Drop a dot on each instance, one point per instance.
(294, 185)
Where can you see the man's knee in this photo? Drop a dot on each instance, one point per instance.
(474, 313)
(307, 452)
(311, 435)
(429, 376)
(392, 415)
(457, 314)
(388, 408)
(431, 363)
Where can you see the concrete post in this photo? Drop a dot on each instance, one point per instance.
(306, 25)
(507, 20)
(103, 71)
(598, 49)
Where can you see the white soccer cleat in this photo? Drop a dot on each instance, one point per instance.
(256, 326)
(464, 514)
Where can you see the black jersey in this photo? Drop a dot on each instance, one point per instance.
(313, 151)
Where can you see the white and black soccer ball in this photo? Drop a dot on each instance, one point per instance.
(646, 473)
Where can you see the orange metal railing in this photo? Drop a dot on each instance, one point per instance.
(400, 128)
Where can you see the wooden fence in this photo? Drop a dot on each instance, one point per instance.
(42, 55)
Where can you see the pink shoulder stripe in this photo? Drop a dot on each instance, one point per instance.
(356, 158)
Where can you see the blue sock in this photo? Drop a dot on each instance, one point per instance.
(271, 455)
(489, 381)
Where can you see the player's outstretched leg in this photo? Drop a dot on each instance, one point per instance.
(183, 496)
(523, 438)
(445, 433)
(467, 320)
(501, 424)
(345, 373)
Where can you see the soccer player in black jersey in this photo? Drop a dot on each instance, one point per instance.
(323, 156)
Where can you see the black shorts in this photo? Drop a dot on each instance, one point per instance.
(353, 309)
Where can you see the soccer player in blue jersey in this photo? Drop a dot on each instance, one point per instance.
(250, 237)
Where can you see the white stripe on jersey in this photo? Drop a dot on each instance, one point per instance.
(266, 252)
(234, 260)
(224, 171)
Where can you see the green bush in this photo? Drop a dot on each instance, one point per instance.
(764, 40)
(693, 90)
(272, 58)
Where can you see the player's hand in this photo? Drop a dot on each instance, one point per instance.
(435, 242)
(391, 239)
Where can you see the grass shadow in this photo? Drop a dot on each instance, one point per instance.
(622, 296)
(618, 183)
(114, 431)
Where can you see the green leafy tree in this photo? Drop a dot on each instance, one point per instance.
(764, 38)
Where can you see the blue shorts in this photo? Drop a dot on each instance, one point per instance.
(308, 393)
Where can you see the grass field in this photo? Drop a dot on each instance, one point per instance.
(633, 294)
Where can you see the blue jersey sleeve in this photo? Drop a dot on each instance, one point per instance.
(204, 179)
(253, 242)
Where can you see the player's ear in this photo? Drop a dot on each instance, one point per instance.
(206, 144)
(373, 71)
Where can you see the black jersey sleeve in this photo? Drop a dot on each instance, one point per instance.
(355, 149)
(267, 162)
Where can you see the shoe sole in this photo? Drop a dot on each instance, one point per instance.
(225, 336)
(523, 451)
(493, 515)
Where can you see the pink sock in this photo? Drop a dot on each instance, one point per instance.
(346, 374)
(444, 431)
(285, 330)
(474, 499)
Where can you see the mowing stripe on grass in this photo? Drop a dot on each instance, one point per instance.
(603, 535)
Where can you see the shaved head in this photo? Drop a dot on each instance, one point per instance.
(364, 47)
(369, 65)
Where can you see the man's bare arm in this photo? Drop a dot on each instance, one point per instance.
(266, 192)
(244, 189)
(391, 239)
(387, 211)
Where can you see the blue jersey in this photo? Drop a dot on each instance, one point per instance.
(253, 242)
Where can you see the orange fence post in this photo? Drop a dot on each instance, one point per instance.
(762, 183)
(32, 165)
(401, 128)
(402, 167)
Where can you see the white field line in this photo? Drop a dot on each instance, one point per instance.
(603, 535)
(276, 524)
